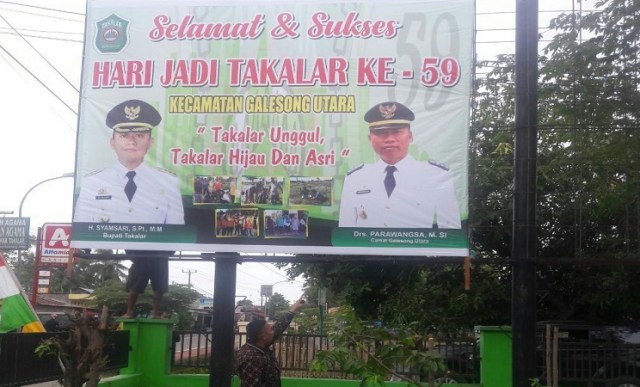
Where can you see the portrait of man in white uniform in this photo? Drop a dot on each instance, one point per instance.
(397, 191)
(130, 191)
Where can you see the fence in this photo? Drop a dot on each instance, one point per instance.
(584, 355)
(19, 365)
(295, 353)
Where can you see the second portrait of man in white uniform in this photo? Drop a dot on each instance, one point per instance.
(397, 191)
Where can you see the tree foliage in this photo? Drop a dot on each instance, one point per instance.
(375, 354)
(588, 207)
(276, 305)
(80, 350)
(399, 293)
(85, 273)
(589, 175)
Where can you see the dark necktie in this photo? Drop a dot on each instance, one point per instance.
(130, 187)
(389, 180)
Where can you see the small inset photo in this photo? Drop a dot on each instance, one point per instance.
(286, 223)
(214, 190)
(305, 190)
(237, 222)
(262, 190)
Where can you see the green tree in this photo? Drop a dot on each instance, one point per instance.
(24, 270)
(374, 353)
(400, 293)
(276, 305)
(589, 175)
(90, 273)
(588, 209)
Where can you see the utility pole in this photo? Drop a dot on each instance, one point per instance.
(523, 313)
(189, 275)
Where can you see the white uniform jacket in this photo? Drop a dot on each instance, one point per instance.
(424, 196)
(157, 199)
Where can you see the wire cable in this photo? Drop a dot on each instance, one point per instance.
(38, 79)
(40, 55)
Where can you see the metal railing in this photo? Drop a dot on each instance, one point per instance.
(587, 356)
(192, 350)
(585, 362)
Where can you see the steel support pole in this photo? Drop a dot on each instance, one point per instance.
(524, 237)
(222, 356)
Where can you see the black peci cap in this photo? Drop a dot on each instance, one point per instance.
(388, 115)
(133, 116)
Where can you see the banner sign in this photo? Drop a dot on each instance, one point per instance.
(312, 127)
(56, 239)
(14, 233)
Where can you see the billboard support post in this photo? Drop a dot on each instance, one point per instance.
(524, 201)
(222, 358)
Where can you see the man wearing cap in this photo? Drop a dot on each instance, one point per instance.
(130, 191)
(397, 191)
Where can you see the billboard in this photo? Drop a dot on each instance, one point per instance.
(319, 127)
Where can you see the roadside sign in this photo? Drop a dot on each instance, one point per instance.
(56, 239)
(14, 233)
(266, 290)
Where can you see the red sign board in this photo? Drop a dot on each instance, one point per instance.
(56, 239)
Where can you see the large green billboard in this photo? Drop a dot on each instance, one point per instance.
(319, 127)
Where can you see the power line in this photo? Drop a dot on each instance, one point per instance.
(38, 79)
(274, 271)
(33, 34)
(250, 275)
(39, 8)
(15, 31)
(40, 55)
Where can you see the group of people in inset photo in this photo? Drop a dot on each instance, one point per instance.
(286, 223)
(245, 222)
(262, 190)
(237, 222)
(214, 190)
(270, 190)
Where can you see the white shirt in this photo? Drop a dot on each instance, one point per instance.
(157, 199)
(424, 196)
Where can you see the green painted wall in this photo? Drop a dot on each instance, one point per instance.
(495, 356)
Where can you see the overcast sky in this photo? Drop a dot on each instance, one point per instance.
(40, 78)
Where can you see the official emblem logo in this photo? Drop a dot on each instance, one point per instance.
(131, 112)
(111, 34)
(388, 111)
